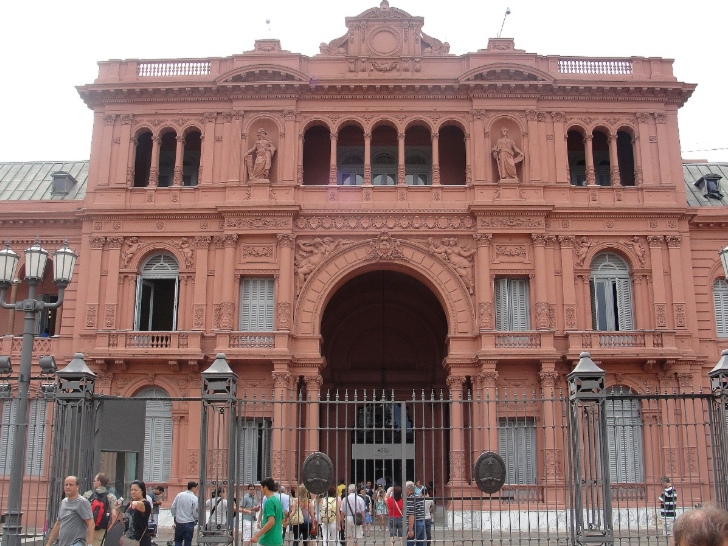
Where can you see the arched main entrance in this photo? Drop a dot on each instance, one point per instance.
(384, 335)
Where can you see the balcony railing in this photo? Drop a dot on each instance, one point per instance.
(149, 342)
(164, 69)
(534, 340)
(595, 66)
(638, 340)
(241, 343)
(10, 345)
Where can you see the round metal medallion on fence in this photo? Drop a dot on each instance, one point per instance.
(490, 472)
(317, 473)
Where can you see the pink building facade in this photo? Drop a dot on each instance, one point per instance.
(382, 214)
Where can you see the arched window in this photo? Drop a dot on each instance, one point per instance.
(720, 302)
(624, 436)
(576, 157)
(191, 158)
(157, 435)
(611, 294)
(167, 158)
(157, 294)
(384, 169)
(142, 160)
(418, 168)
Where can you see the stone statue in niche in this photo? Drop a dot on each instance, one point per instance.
(506, 154)
(259, 158)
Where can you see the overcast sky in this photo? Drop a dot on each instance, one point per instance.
(48, 47)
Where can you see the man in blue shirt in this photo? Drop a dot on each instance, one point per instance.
(185, 513)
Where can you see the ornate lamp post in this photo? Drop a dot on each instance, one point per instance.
(64, 261)
(719, 387)
(724, 260)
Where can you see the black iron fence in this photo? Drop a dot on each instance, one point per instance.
(388, 438)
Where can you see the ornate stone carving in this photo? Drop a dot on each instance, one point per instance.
(311, 254)
(131, 247)
(510, 221)
(673, 241)
(635, 243)
(187, 252)
(506, 155)
(511, 250)
(459, 257)
(487, 379)
(548, 379)
(198, 313)
(384, 247)
(570, 316)
(283, 313)
(257, 251)
(542, 315)
(680, 315)
(661, 315)
(581, 250)
(203, 242)
(259, 222)
(224, 315)
(110, 315)
(485, 315)
(91, 312)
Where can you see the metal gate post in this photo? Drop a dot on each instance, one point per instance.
(73, 433)
(591, 508)
(218, 449)
(718, 423)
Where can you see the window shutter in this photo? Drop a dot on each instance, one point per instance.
(501, 304)
(519, 298)
(157, 435)
(517, 447)
(720, 301)
(257, 305)
(624, 437)
(176, 301)
(7, 435)
(248, 451)
(36, 438)
(593, 297)
(624, 304)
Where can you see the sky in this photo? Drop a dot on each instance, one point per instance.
(48, 47)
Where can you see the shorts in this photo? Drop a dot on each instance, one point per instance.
(395, 527)
(367, 518)
(248, 530)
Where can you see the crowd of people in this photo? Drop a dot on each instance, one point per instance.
(343, 515)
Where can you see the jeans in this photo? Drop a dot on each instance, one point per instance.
(428, 530)
(183, 532)
(419, 535)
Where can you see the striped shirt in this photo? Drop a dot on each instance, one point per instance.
(416, 506)
(668, 502)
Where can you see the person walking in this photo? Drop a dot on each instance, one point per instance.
(103, 501)
(395, 511)
(301, 515)
(415, 517)
(217, 505)
(271, 532)
(75, 523)
(350, 506)
(137, 514)
(668, 506)
(330, 518)
(249, 507)
(184, 511)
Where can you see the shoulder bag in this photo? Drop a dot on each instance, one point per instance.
(358, 517)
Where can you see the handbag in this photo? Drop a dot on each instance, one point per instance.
(296, 517)
(358, 517)
(209, 526)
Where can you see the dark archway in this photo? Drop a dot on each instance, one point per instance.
(384, 329)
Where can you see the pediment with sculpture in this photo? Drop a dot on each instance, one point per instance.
(385, 31)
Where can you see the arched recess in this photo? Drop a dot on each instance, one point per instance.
(515, 133)
(157, 434)
(272, 133)
(384, 252)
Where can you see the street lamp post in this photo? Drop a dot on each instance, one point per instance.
(724, 261)
(64, 261)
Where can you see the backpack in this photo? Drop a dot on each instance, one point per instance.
(100, 509)
(329, 516)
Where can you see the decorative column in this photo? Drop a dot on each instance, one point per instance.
(112, 282)
(227, 305)
(199, 299)
(567, 276)
(483, 292)
(643, 141)
(591, 493)
(542, 306)
(367, 159)
(130, 168)
(313, 396)
(280, 441)
(284, 306)
(218, 447)
(663, 151)
(125, 162)
(562, 154)
(401, 166)
(468, 161)
(179, 153)
(332, 161)
(435, 159)
(457, 444)
(678, 288)
(236, 144)
(104, 167)
(534, 149)
(92, 293)
(658, 280)
(637, 155)
(208, 149)
(299, 167)
(614, 179)
(488, 414)
(591, 178)
(227, 131)
(154, 164)
(553, 457)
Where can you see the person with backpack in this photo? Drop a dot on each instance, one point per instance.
(330, 506)
(102, 503)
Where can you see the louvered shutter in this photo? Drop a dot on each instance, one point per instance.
(517, 447)
(157, 435)
(256, 306)
(519, 306)
(593, 297)
(248, 451)
(36, 438)
(624, 437)
(720, 301)
(501, 305)
(7, 435)
(624, 304)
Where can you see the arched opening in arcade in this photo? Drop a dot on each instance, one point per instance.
(384, 339)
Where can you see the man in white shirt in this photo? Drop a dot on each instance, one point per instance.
(350, 505)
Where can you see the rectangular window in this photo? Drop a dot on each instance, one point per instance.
(36, 436)
(611, 301)
(254, 450)
(256, 305)
(517, 447)
(624, 438)
(511, 304)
